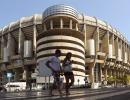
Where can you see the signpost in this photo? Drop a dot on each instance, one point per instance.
(9, 75)
(44, 73)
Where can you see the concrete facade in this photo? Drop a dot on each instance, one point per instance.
(99, 50)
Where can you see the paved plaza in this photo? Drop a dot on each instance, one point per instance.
(76, 94)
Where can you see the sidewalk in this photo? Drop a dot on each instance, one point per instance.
(44, 94)
(41, 94)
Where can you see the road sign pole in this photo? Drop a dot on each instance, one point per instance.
(9, 75)
(45, 82)
(9, 83)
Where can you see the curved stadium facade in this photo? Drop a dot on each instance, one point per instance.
(99, 50)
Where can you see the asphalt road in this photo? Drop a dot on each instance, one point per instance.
(76, 94)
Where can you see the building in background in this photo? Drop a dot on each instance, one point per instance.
(99, 50)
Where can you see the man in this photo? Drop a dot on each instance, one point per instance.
(53, 63)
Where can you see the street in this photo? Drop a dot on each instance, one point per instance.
(76, 94)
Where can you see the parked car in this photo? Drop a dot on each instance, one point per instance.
(15, 86)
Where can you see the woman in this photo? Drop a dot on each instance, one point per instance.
(67, 68)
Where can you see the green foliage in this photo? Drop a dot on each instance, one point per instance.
(128, 77)
(115, 80)
(110, 80)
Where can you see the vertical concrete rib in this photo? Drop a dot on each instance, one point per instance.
(113, 46)
(9, 44)
(71, 23)
(51, 24)
(61, 23)
(116, 47)
(2, 46)
(121, 47)
(34, 39)
(92, 76)
(105, 44)
(85, 37)
(21, 41)
(96, 38)
(77, 27)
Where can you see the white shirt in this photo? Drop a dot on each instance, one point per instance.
(55, 63)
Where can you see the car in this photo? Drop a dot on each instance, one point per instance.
(15, 86)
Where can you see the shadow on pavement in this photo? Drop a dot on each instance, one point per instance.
(125, 96)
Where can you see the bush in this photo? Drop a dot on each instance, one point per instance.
(110, 80)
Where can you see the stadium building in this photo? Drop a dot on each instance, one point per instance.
(99, 50)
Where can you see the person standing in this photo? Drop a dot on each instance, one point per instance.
(53, 63)
(67, 68)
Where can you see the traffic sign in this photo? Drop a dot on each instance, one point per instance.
(9, 75)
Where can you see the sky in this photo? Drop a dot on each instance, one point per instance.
(114, 12)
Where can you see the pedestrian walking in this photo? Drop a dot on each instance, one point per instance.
(53, 63)
(67, 68)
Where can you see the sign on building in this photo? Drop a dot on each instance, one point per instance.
(9, 75)
(42, 69)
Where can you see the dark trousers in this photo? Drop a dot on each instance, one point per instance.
(56, 83)
(69, 76)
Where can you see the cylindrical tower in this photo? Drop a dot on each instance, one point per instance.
(60, 26)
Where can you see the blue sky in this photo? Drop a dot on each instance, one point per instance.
(114, 12)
